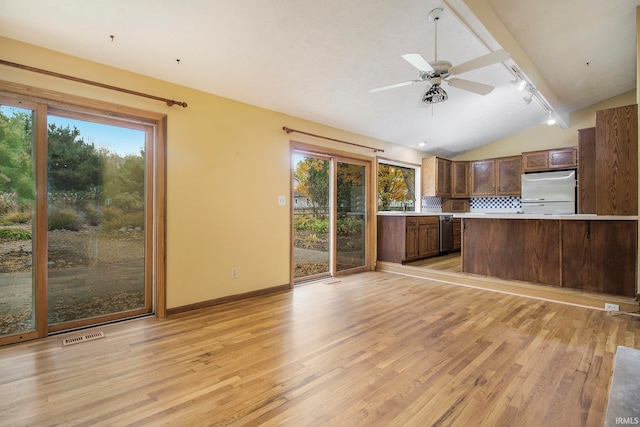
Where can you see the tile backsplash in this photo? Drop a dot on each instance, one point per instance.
(478, 204)
(491, 203)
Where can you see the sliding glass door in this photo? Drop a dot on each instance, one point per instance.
(96, 220)
(330, 223)
(78, 236)
(351, 211)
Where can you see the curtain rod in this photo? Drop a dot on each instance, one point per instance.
(288, 130)
(169, 102)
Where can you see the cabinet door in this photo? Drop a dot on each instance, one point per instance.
(617, 161)
(411, 240)
(564, 158)
(483, 178)
(535, 161)
(587, 171)
(509, 170)
(436, 177)
(443, 183)
(460, 179)
(429, 240)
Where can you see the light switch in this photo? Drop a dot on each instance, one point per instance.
(282, 200)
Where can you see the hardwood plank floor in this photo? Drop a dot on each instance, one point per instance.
(370, 349)
(448, 268)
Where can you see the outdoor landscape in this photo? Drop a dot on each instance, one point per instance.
(95, 221)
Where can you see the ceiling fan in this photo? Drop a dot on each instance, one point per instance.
(437, 71)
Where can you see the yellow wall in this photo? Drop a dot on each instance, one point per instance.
(227, 164)
(544, 137)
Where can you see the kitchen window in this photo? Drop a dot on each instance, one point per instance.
(397, 187)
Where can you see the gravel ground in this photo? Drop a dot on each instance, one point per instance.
(110, 254)
(69, 249)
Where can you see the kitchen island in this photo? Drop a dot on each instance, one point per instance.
(590, 252)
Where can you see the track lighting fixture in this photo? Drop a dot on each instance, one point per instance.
(528, 97)
(551, 120)
(519, 84)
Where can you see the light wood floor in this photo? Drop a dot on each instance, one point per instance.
(448, 269)
(371, 349)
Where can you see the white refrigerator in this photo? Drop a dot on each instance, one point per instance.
(549, 192)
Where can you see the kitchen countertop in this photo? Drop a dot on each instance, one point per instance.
(513, 215)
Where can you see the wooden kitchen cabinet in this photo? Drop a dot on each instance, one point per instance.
(436, 177)
(404, 239)
(496, 177)
(428, 237)
(587, 171)
(600, 256)
(509, 176)
(483, 178)
(460, 179)
(617, 161)
(546, 160)
(455, 205)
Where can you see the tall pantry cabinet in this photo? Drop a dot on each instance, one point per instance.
(608, 165)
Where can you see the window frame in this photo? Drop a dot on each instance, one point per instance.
(418, 181)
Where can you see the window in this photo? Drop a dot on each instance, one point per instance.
(397, 189)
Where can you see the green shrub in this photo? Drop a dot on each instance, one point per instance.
(64, 220)
(349, 226)
(115, 221)
(18, 217)
(14, 234)
(8, 202)
(128, 202)
(91, 215)
(309, 223)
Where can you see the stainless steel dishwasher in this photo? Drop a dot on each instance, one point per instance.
(445, 228)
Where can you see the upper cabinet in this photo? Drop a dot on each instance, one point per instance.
(496, 177)
(559, 158)
(460, 179)
(509, 176)
(436, 177)
(483, 178)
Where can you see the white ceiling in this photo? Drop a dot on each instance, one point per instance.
(318, 59)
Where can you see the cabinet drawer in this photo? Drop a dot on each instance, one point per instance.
(412, 220)
(427, 220)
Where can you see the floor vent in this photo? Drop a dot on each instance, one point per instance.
(83, 338)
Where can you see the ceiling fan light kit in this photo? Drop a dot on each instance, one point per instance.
(436, 71)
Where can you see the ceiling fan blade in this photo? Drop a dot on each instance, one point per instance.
(393, 86)
(468, 85)
(418, 61)
(481, 61)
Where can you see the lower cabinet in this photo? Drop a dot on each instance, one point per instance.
(404, 239)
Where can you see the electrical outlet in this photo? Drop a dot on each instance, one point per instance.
(234, 273)
(611, 307)
(282, 200)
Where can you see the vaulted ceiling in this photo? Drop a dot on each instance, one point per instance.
(318, 59)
